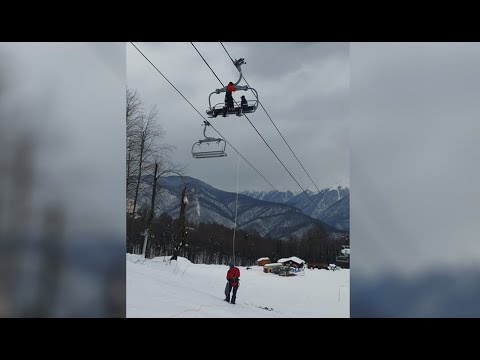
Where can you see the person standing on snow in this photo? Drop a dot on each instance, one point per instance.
(233, 278)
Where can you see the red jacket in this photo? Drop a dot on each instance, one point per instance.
(231, 88)
(233, 275)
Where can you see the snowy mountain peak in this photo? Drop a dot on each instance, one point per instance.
(338, 187)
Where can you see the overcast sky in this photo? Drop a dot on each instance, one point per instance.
(303, 86)
(70, 99)
(415, 145)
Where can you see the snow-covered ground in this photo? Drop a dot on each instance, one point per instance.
(160, 288)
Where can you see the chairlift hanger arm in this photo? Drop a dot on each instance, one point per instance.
(205, 128)
(238, 64)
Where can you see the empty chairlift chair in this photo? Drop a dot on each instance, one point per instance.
(209, 147)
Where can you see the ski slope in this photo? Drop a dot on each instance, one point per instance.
(176, 289)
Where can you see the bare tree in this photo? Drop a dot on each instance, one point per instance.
(162, 167)
(134, 106)
(145, 147)
(134, 112)
(148, 159)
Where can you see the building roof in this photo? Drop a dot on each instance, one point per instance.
(264, 258)
(292, 258)
(272, 265)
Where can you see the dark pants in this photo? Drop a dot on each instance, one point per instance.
(228, 291)
(229, 101)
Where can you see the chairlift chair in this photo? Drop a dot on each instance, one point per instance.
(239, 109)
(208, 147)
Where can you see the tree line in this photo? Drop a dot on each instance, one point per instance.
(213, 243)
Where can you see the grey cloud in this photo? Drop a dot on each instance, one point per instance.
(414, 139)
(305, 91)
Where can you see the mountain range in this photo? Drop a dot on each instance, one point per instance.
(330, 205)
(274, 214)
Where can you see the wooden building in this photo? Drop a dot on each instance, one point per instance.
(262, 261)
